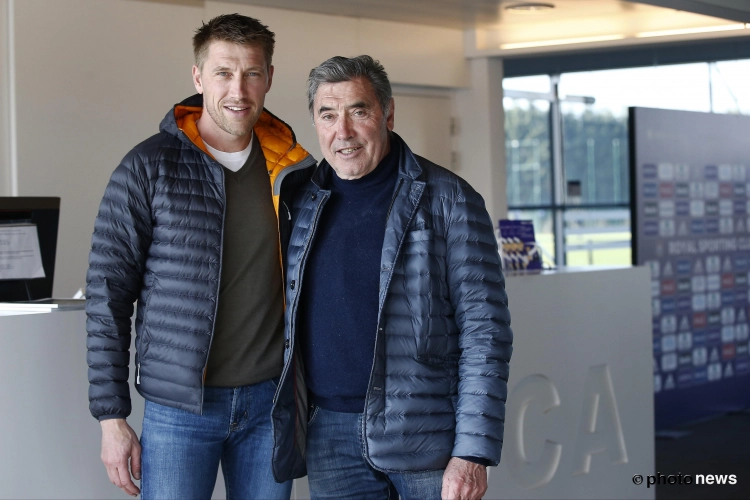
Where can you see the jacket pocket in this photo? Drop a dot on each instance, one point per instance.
(312, 415)
(436, 359)
(423, 289)
(145, 334)
(419, 235)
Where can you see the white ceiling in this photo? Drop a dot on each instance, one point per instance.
(469, 14)
(494, 30)
(460, 14)
(735, 10)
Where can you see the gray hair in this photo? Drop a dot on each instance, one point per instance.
(344, 69)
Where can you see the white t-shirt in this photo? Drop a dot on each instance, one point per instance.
(232, 161)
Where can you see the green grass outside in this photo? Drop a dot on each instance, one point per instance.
(598, 257)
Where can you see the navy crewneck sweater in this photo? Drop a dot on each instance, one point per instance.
(339, 304)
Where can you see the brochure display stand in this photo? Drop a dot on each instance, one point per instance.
(518, 246)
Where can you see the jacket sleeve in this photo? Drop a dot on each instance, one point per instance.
(477, 290)
(119, 245)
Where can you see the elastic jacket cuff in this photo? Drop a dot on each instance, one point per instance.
(477, 460)
(109, 417)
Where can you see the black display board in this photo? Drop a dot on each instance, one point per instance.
(690, 178)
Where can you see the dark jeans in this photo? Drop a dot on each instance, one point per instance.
(337, 468)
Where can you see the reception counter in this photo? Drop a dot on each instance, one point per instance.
(579, 418)
(580, 414)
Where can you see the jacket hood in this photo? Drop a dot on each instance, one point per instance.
(193, 104)
(276, 138)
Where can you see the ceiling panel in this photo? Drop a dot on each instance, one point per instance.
(598, 25)
(469, 14)
(736, 10)
(459, 14)
(569, 25)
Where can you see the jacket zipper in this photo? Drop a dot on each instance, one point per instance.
(137, 346)
(283, 275)
(218, 286)
(380, 330)
(302, 262)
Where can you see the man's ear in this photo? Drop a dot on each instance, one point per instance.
(270, 78)
(197, 79)
(389, 119)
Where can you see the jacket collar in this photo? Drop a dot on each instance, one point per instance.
(191, 104)
(408, 164)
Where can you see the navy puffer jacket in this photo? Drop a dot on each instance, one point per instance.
(438, 385)
(158, 240)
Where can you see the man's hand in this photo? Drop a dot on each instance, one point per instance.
(120, 444)
(463, 480)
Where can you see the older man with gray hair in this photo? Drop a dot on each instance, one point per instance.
(397, 326)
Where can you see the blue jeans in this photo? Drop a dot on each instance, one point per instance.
(182, 451)
(337, 468)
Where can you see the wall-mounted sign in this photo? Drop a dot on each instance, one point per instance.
(691, 214)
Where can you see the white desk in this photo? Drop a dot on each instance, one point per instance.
(582, 352)
(49, 441)
(577, 334)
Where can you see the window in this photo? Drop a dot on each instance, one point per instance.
(567, 153)
(529, 167)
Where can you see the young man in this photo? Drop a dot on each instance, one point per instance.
(189, 228)
(396, 311)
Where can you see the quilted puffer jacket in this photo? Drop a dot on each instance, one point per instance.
(158, 240)
(438, 383)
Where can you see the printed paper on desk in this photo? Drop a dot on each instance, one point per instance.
(20, 257)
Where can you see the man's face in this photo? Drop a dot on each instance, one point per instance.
(352, 129)
(234, 81)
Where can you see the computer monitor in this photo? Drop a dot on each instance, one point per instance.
(44, 212)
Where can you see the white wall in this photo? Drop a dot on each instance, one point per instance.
(481, 137)
(415, 55)
(5, 139)
(95, 77)
(424, 123)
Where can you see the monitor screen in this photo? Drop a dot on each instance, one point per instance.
(44, 214)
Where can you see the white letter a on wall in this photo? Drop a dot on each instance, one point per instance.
(600, 429)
